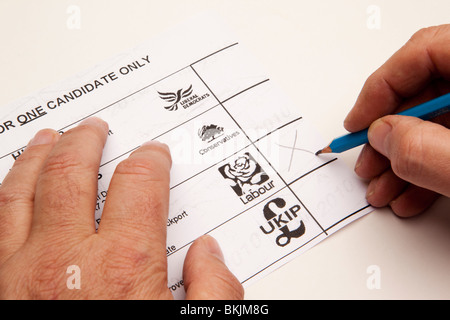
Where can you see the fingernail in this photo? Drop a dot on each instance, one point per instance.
(212, 246)
(45, 136)
(378, 135)
(94, 121)
(371, 188)
(360, 158)
(358, 163)
(156, 143)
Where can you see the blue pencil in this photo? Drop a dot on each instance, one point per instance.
(424, 111)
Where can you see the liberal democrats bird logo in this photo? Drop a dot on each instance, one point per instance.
(174, 98)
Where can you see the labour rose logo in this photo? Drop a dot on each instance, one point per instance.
(243, 173)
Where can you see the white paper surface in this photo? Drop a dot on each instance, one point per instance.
(244, 168)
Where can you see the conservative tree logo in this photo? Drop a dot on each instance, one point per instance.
(215, 137)
(246, 177)
(181, 97)
(210, 132)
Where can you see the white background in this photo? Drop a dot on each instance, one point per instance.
(319, 53)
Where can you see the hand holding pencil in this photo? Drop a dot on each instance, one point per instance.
(408, 159)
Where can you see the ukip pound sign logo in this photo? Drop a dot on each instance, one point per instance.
(282, 221)
(175, 97)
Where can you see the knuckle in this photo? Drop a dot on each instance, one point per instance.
(47, 279)
(409, 156)
(66, 194)
(14, 196)
(133, 166)
(140, 167)
(30, 154)
(126, 268)
(12, 200)
(6, 197)
(62, 178)
(125, 258)
(145, 207)
(62, 163)
(146, 184)
(12, 281)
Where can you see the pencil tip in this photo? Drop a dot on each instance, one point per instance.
(324, 150)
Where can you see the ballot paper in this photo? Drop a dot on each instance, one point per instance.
(244, 169)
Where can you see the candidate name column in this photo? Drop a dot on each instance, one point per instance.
(275, 220)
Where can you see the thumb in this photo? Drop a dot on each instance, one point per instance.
(206, 277)
(418, 150)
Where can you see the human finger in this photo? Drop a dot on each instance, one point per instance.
(385, 188)
(17, 192)
(137, 203)
(418, 150)
(206, 277)
(423, 58)
(413, 201)
(370, 163)
(67, 185)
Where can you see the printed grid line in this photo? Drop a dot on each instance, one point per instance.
(254, 145)
(236, 152)
(129, 95)
(194, 117)
(258, 202)
(304, 244)
(287, 185)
